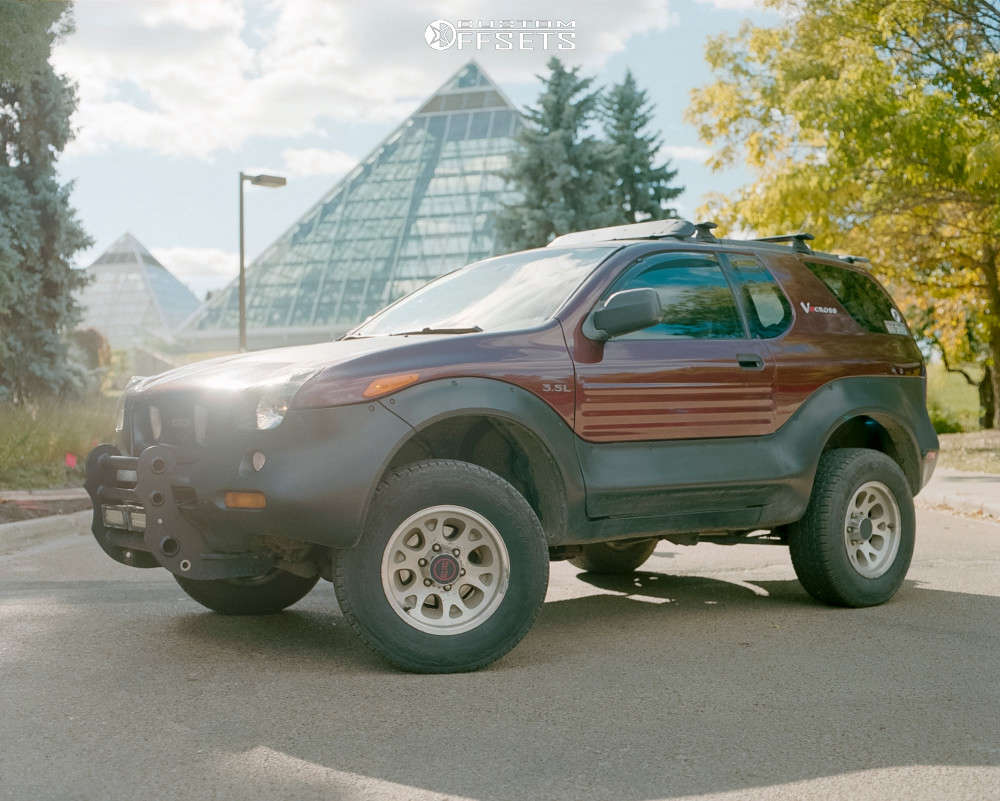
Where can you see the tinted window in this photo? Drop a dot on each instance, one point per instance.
(768, 311)
(695, 296)
(863, 298)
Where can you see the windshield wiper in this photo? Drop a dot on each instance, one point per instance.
(475, 329)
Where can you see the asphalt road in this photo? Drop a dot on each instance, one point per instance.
(710, 675)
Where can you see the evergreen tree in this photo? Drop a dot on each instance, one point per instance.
(562, 173)
(39, 232)
(641, 190)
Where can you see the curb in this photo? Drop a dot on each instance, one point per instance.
(25, 533)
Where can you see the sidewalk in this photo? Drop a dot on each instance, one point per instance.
(961, 491)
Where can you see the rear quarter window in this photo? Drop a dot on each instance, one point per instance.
(863, 298)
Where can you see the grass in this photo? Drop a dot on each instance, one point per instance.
(953, 403)
(34, 441)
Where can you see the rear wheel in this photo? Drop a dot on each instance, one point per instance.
(451, 570)
(614, 557)
(854, 544)
(259, 595)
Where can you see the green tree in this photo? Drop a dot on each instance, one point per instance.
(562, 173)
(641, 190)
(39, 232)
(874, 124)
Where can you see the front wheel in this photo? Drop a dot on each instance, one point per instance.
(450, 572)
(259, 595)
(854, 544)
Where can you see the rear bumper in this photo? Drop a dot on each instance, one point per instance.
(167, 506)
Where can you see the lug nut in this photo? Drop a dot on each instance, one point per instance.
(435, 547)
(455, 551)
(447, 588)
(461, 572)
(427, 582)
(422, 562)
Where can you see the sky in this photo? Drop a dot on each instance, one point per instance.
(177, 96)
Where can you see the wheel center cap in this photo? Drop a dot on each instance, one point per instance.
(865, 529)
(444, 568)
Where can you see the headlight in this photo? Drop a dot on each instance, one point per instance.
(273, 405)
(120, 408)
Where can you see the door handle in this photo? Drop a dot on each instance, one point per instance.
(750, 361)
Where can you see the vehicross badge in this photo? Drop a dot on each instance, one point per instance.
(808, 307)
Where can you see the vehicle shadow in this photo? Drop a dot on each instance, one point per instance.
(650, 687)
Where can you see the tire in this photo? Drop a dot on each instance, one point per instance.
(381, 585)
(614, 558)
(256, 596)
(842, 557)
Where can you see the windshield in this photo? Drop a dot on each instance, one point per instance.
(505, 293)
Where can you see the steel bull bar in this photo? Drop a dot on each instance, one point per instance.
(138, 521)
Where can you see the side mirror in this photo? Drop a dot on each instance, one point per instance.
(627, 311)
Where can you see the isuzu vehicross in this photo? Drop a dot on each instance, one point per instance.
(580, 401)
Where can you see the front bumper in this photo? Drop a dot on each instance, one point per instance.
(138, 522)
(167, 507)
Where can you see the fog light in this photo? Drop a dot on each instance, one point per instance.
(246, 500)
(114, 518)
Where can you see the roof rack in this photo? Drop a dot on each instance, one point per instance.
(798, 241)
(653, 229)
(684, 230)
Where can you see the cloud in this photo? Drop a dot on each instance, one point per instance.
(202, 269)
(192, 79)
(732, 5)
(316, 161)
(686, 152)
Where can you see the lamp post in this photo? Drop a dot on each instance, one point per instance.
(272, 181)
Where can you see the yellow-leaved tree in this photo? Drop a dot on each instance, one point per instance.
(875, 126)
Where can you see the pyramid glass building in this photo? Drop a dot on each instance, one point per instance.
(420, 204)
(132, 299)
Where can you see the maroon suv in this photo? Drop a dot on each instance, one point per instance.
(579, 401)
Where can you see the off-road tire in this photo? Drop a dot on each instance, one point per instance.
(405, 492)
(614, 558)
(817, 543)
(264, 596)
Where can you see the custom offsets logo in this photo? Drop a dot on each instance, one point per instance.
(501, 34)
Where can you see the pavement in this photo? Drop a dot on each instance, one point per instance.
(963, 491)
(708, 675)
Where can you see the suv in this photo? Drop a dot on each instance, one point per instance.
(581, 401)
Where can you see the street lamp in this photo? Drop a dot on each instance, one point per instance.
(272, 181)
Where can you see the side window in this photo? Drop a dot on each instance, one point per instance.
(768, 311)
(863, 298)
(694, 294)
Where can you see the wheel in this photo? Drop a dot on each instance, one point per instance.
(450, 572)
(260, 595)
(854, 544)
(614, 557)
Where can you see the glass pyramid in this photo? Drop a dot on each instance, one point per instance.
(132, 298)
(421, 204)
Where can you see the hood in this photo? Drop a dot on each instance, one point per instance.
(244, 371)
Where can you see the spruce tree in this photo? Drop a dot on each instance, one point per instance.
(641, 190)
(39, 232)
(562, 173)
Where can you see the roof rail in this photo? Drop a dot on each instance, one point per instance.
(855, 259)
(652, 229)
(798, 241)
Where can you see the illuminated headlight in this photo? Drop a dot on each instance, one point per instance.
(273, 405)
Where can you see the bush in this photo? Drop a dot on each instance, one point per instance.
(943, 420)
(35, 438)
